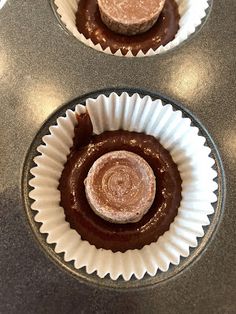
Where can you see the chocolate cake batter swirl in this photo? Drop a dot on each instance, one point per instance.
(89, 23)
(86, 149)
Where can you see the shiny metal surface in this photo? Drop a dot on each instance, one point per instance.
(41, 68)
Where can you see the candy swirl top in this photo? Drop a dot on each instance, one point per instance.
(130, 17)
(120, 187)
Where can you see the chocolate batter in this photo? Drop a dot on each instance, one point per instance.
(101, 233)
(89, 23)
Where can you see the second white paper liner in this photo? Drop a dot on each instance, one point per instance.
(191, 14)
(187, 149)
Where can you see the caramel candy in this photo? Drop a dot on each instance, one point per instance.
(120, 187)
(130, 17)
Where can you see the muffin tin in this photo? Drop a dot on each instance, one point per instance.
(106, 282)
(47, 67)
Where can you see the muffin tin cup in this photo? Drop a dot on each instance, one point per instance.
(189, 151)
(192, 15)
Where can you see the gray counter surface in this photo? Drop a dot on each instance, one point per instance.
(41, 67)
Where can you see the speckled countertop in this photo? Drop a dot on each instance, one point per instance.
(41, 67)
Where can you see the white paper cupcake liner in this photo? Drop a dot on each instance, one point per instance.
(187, 149)
(191, 14)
